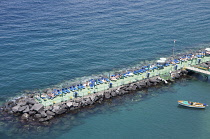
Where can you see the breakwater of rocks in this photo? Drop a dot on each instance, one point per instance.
(28, 109)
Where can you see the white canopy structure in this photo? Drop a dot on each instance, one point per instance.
(207, 49)
(161, 61)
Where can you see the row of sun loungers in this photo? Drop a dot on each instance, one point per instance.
(94, 82)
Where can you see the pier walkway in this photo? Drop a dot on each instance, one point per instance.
(198, 70)
(105, 86)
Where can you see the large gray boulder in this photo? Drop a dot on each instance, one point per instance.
(177, 76)
(96, 98)
(50, 113)
(92, 97)
(61, 111)
(45, 119)
(37, 116)
(120, 92)
(26, 109)
(75, 104)
(55, 108)
(43, 114)
(142, 84)
(88, 101)
(31, 101)
(107, 95)
(22, 103)
(37, 107)
(148, 83)
(69, 104)
(31, 112)
(113, 93)
(15, 108)
(124, 92)
(153, 80)
(22, 108)
(138, 86)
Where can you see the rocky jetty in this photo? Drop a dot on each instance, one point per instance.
(28, 109)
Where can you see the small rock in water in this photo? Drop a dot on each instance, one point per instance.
(25, 116)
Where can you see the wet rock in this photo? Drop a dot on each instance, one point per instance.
(42, 119)
(69, 104)
(60, 111)
(100, 100)
(153, 80)
(78, 100)
(37, 116)
(43, 114)
(96, 98)
(37, 107)
(100, 95)
(50, 108)
(120, 92)
(75, 104)
(45, 119)
(63, 106)
(138, 86)
(22, 103)
(184, 71)
(31, 101)
(25, 116)
(148, 83)
(177, 76)
(55, 108)
(22, 108)
(131, 88)
(107, 95)
(155, 83)
(88, 101)
(92, 97)
(15, 108)
(31, 112)
(113, 93)
(50, 113)
(26, 109)
(142, 84)
(124, 92)
(10, 104)
(117, 92)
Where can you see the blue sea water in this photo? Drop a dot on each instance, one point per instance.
(44, 43)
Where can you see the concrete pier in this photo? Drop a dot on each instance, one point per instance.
(30, 108)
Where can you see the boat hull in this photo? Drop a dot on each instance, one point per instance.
(192, 104)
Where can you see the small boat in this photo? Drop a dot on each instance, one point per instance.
(192, 104)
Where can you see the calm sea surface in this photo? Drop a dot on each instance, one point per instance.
(44, 43)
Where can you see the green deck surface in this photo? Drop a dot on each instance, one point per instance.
(102, 87)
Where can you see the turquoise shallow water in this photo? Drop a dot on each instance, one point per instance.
(47, 43)
(156, 116)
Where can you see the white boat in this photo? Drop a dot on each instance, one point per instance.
(192, 104)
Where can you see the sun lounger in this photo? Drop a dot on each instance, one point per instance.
(67, 90)
(59, 92)
(64, 91)
(91, 85)
(75, 89)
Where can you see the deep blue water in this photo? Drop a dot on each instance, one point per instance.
(45, 43)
